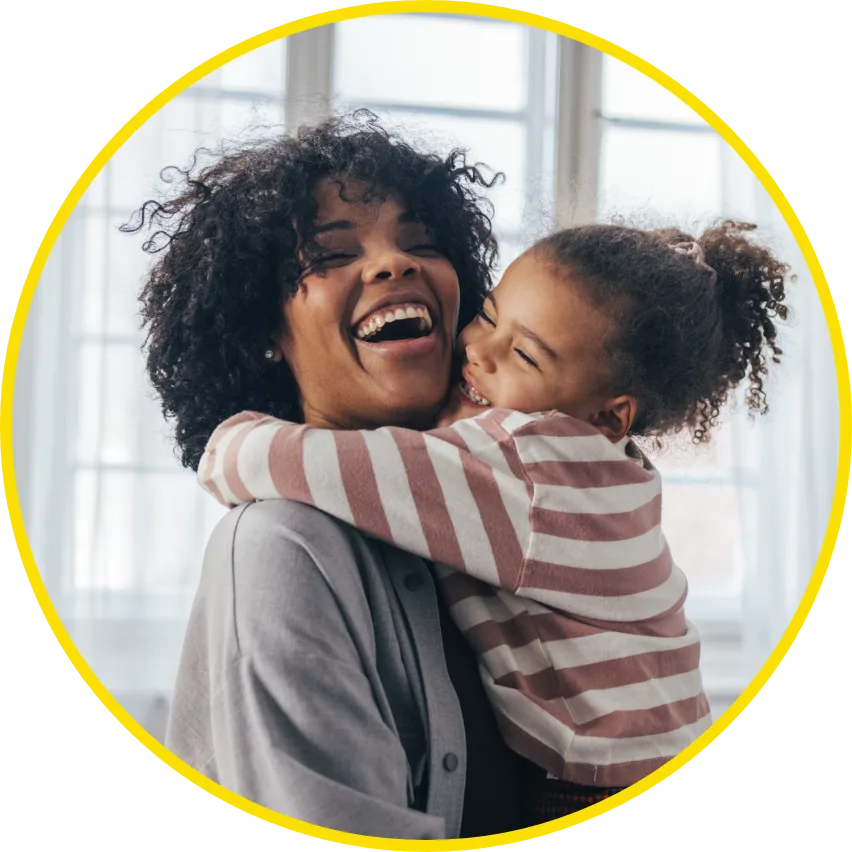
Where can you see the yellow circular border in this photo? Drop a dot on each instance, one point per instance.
(499, 12)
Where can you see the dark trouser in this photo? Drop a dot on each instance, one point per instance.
(545, 799)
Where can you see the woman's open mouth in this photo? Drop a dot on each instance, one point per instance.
(401, 331)
(396, 322)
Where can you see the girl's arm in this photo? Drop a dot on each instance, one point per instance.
(539, 504)
(456, 495)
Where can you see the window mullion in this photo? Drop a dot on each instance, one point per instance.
(535, 120)
(310, 72)
(578, 133)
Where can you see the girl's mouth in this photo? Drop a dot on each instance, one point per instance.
(469, 391)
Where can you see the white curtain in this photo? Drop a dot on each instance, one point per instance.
(117, 527)
(746, 516)
(796, 446)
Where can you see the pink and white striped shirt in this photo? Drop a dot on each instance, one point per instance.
(549, 550)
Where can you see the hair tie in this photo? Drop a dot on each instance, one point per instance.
(696, 254)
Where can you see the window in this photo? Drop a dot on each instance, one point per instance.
(660, 163)
(118, 528)
(123, 567)
(729, 514)
(504, 112)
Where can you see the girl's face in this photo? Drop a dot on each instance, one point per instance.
(537, 345)
(369, 334)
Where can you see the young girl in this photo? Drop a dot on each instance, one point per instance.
(542, 514)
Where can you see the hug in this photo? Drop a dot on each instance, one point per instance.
(442, 604)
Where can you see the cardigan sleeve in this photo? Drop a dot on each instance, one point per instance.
(274, 699)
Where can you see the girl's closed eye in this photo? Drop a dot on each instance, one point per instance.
(487, 319)
(524, 357)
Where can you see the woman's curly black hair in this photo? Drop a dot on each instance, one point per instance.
(227, 242)
(683, 338)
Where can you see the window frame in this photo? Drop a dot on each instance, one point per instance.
(719, 617)
(579, 125)
(534, 116)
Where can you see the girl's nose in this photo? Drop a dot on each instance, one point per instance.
(480, 356)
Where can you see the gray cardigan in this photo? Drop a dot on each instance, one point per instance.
(313, 678)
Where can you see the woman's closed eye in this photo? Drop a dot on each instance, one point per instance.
(487, 319)
(335, 259)
(330, 260)
(428, 249)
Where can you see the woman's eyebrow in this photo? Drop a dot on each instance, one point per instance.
(337, 225)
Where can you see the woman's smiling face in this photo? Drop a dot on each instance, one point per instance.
(369, 335)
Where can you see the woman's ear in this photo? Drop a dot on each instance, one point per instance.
(281, 343)
(274, 354)
(615, 420)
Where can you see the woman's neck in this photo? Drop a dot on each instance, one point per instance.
(321, 420)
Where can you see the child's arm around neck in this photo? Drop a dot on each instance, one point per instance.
(460, 495)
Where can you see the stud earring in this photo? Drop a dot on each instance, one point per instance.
(268, 354)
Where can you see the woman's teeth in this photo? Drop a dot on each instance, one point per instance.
(383, 316)
(472, 393)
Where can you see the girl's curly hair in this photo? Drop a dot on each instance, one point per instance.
(683, 338)
(226, 245)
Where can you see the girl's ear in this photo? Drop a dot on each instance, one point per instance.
(616, 419)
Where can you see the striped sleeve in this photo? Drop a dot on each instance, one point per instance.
(455, 495)
(543, 505)
(596, 547)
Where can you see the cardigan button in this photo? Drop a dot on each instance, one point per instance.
(414, 582)
(451, 762)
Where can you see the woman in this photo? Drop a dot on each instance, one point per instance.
(320, 676)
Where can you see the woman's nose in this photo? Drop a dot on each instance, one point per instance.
(390, 265)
